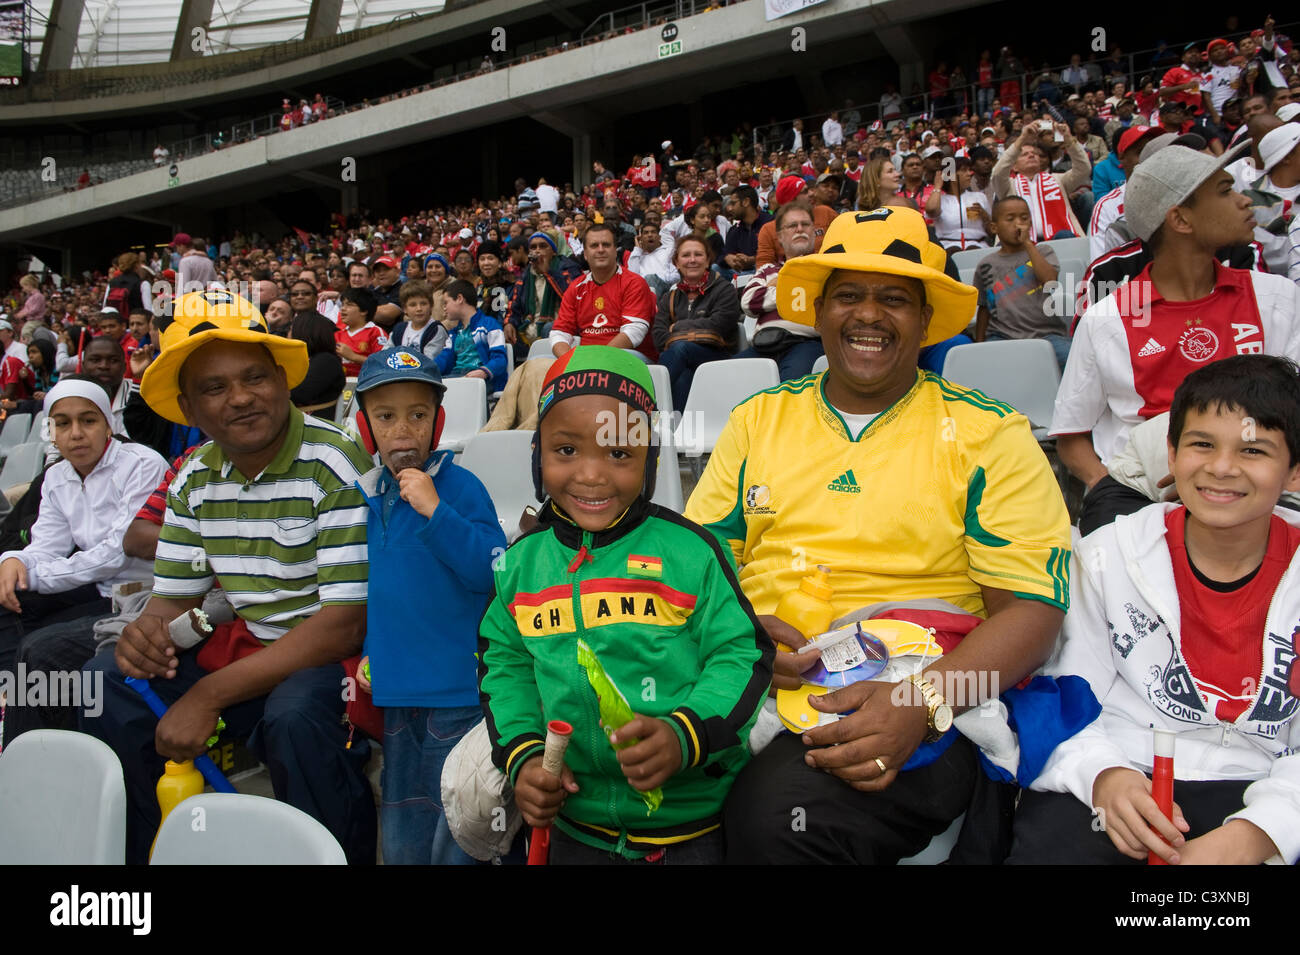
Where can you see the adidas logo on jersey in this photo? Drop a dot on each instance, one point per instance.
(1152, 347)
(846, 483)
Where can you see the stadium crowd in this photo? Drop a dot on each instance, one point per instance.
(191, 389)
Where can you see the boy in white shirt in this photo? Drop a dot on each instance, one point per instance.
(1182, 618)
(54, 589)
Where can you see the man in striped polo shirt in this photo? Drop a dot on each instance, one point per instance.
(269, 509)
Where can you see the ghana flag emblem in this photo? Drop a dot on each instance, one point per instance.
(639, 566)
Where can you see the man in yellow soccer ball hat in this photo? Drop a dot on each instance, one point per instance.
(268, 510)
(914, 491)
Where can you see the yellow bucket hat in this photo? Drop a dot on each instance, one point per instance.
(892, 240)
(201, 317)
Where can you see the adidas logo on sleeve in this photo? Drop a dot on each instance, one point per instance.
(845, 483)
(1152, 347)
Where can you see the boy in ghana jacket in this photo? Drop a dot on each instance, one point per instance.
(655, 599)
(1185, 617)
(431, 538)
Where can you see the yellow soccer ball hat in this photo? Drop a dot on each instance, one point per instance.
(891, 240)
(211, 315)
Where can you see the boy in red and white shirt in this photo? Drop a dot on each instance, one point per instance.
(1182, 619)
(1133, 348)
(357, 336)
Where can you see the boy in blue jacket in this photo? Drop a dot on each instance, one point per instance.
(432, 536)
(476, 343)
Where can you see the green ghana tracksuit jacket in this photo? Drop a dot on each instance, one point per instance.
(657, 599)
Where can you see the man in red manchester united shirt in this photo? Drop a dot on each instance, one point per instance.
(608, 305)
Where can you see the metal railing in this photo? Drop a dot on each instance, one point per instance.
(258, 127)
(189, 148)
(641, 15)
(98, 81)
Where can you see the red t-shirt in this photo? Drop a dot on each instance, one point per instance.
(365, 341)
(985, 74)
(1183, 336)
(1177, 76)
(11, 373)
(919, 197)
(1223, 632)
(595, 313)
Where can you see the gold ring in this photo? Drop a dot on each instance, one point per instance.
(880, 763)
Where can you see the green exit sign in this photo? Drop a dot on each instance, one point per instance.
(670, 49)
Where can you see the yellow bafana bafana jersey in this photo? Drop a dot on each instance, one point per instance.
(945, 491)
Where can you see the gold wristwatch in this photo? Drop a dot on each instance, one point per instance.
(939, 713)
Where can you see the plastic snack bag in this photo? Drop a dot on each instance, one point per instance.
(614, 712)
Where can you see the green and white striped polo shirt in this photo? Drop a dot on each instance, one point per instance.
(282, 544)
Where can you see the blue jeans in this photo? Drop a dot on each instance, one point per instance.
(1060, 344)
(681, 359)
(796, 361)
(983, 100)
(416, 743)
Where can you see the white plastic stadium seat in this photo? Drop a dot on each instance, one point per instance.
(238, 829)
(668, 480)
(502, 460)
(966, 261)
(1076, 248)
(62, 801)
(343, 406)
(718, 386)
(663, 390)
(821, 364)
(466, 404)
(540, 349)
(15, 432)
(1022, 373)
(38, 421)
(1073, 257)
(22, 464)
(940, 846)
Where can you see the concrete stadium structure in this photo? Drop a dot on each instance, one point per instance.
(575, 93)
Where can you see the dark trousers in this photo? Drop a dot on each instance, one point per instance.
(781, 811)
(681, 359)
(702, 850)
(792, 362)
(1058, 829)
(296, 730)
(41, 610)
(1107, 500)
(57, 650)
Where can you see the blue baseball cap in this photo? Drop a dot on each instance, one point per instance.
(399, 364)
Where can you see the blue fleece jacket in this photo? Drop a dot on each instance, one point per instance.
(489, 339)
(430, 583)
(1107, 175)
